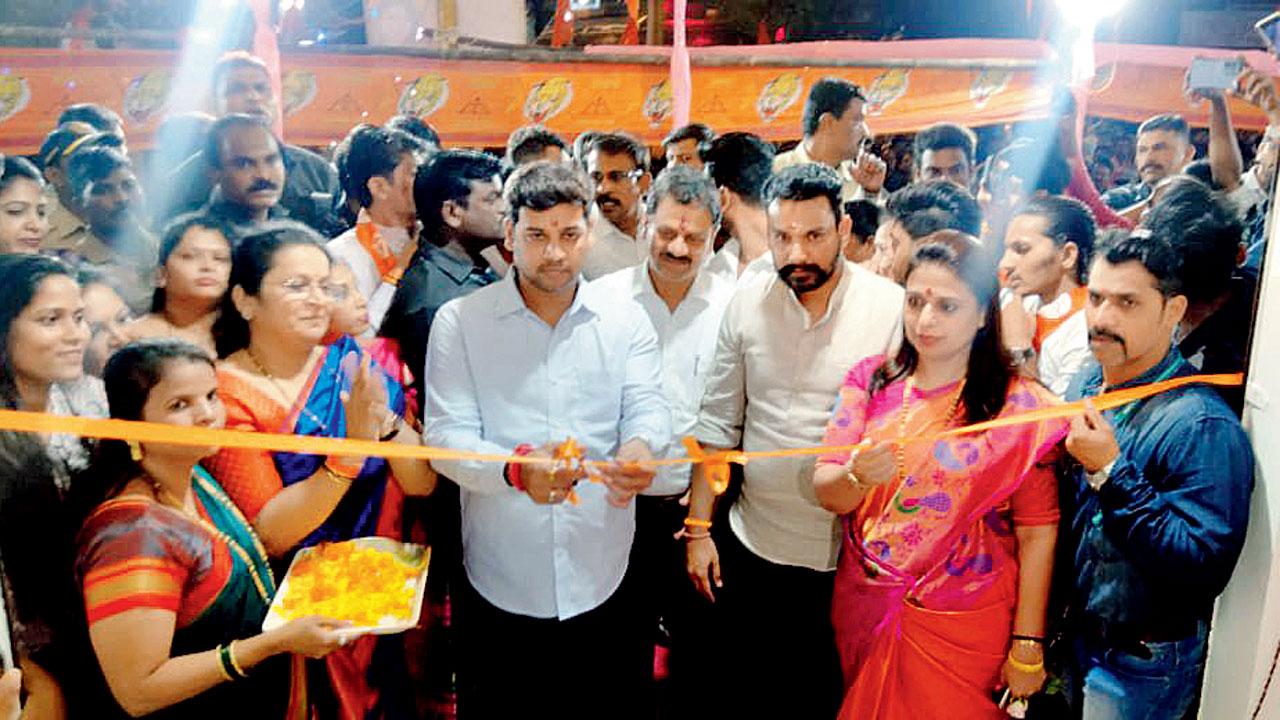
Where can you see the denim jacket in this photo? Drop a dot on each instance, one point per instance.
(1158, 542)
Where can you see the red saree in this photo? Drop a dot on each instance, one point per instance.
(927, 580)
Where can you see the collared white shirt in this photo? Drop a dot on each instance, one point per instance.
(774, 385)
(1248, 194)
(498, 376)
(611, 249)
(850, 189)
(369, 282)
(728, 259)
(688, 341)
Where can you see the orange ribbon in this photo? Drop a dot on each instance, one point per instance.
(569, 453)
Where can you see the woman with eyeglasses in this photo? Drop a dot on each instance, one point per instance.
(24, 209)
(191, 280)
(278, 375)
(943, 579)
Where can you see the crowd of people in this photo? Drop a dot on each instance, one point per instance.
(740, 299)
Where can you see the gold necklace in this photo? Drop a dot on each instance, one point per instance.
(901, 451)
(288, 403)
(194, 515)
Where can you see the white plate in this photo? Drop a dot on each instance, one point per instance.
(389, 626)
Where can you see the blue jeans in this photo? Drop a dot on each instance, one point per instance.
(1118, 685)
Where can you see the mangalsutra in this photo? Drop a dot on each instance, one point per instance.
(901, 451)
(289, 403)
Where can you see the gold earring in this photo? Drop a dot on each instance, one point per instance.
(135, 451)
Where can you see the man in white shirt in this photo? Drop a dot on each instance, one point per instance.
(740, 164)
(835, 131)
(685, 303)
(619, 167)
(784, 348)
(376, 168)
(548, 620)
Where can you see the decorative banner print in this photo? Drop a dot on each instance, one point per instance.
(658, 104)
(547, 99)
(885, 89)
(778, 95)
(424, 96)
(987, 83)
(147, 97)
(15, 93)
(1102, 78)
(299, 88)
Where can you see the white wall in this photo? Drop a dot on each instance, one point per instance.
(397, 21)
(1246, 628)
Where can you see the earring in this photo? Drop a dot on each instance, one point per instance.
(135, 451)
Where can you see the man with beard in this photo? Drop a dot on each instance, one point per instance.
(619, 168)
(105, 192)
(241, 86)
(516, 368)
(1164, 147)
(247, 167)
(784, 348)
(458, 196)
(685, 302)
(740, 164)
(1160, 511)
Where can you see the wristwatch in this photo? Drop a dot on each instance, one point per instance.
(1022, 356)
(1099, 477)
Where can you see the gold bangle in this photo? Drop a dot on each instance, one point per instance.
(1023, 667)
(697, 522)
(848, 472)
(231, 655)
(335, 478)
(221, 667)
(350, 472)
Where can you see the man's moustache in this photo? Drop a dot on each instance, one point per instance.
(262, 185)
(1105, 335)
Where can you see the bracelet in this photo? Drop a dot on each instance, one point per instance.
(1028, 638)
(335, 478)
(228, 665)
(848, 472)
(1023, 667)
(231, 655)
(697, 522)
(395, 430)
(341, 469)
(695, 536)
(222, 666)
(512, 471)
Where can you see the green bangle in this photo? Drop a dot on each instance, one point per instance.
(228, 665)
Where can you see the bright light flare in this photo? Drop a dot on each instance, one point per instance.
(1087, 13)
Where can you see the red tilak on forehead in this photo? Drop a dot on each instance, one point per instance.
(928, 293)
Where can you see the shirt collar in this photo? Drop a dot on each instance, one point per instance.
(1172, 359)
(699, 291)
(455, 267)
(510, 301)
(776, 285)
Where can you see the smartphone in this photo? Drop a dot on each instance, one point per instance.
(1268, 28)
(1214, 73)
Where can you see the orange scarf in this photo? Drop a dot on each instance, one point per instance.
(1045, 326)
(386, 261)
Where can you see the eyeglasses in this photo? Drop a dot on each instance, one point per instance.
(300, 288)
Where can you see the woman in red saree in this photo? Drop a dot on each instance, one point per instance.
(948, 544)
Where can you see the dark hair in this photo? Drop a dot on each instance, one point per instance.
(1157, 256)
(619, 143)
(99, 117)
(225, 124)
(927, 207)
(529, 142)
(14, 168)
(1202, 170)
(582, 145)
(416, 127)
(865, 216)
(828, 95)
(89, 166)
(1169, 122)
(131, 373)
(233, 60)
(942, 136)
(172, 236)
(250, 261)
(67, 141)
(741, 162)
(687, 187)
(369, 151)
(447, 176)
(805, 182)
(693, 131)
(989, 370)
(20, 279)
(1066, 220)
(542, 185)
(1205, 233)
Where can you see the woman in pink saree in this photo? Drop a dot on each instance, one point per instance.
(948, 544)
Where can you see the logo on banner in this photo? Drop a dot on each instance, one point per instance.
(424, 95)
(1102, 78)
(987, 84)
(299, 89)
(658, 104)
(777, 95)
(547, 99)
(886, 89)
(14, 95)
(146, 97)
